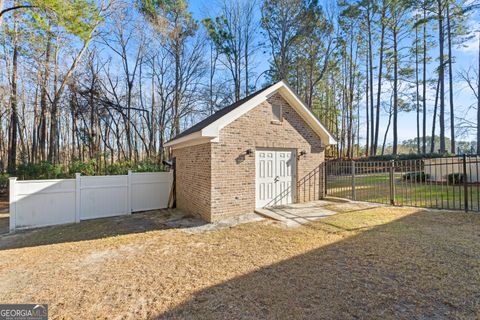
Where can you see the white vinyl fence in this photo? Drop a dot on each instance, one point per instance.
(39, 203)
(439, 169)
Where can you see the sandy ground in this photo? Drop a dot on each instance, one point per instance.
(379, 263)
(4, 216)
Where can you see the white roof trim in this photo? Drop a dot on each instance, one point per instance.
(212, 131)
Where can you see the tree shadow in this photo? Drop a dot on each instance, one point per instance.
(4, 223)
(308, 188)
(4, 215)
(417, 267)
(100, 228)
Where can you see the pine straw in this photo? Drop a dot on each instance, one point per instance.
(370, 263)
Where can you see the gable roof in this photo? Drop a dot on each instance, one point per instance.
(217, 115)
(208, 129)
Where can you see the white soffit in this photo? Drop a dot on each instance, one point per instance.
(211, 132)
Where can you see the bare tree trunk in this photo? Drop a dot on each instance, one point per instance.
(43, 102)
(153, 121)
(395, 92)
(12, 148)
(417, 90)
(386, 131)
(450, 82)
(432, 144)
(478, 98)
(424, 85)
(379, 85)
(35, 128)
(441, 76)
(73, 111)
(176, 112)
(366, 111)
(370, 62)
(54, 137)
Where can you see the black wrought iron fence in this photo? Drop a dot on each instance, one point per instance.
(443, 183)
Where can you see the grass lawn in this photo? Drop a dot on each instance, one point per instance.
(379, 263)
(376, 188)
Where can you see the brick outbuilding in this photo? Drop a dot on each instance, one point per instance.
(265, 150)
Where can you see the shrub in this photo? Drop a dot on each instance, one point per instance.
(455, 178)
(416, 176)
(122, 167)
(3, 183)
(47, 170)
(411, 156)
(85, 168)
(42, 170)
(118, 168)
(148, 166)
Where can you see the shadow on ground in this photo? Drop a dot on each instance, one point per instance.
(4, 215)
(423, 266)
(99, 228)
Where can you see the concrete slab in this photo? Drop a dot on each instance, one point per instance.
(298, 214)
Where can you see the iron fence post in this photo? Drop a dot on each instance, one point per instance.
(354, 196)
(325, 190)
(392, 182)
(465, 183)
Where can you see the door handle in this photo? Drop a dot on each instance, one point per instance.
(276, 179)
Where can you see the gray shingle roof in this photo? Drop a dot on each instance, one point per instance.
(217, 115)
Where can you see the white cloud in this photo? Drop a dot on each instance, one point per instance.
(471, 46)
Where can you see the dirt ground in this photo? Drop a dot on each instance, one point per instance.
(4, 216)
(379, 263)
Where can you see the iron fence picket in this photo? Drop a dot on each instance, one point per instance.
(444, 183)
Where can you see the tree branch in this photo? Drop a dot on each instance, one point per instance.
(16, 8)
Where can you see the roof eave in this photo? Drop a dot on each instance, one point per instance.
(211, 132)
(182, 140)
(293, 98)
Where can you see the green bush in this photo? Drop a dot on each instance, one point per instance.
(122, 167)
(42, 170)
(416, 176)
(118, 168)
(85, 168)
(148, 166)
(456, 178)
(46, 170)
(3, 183)
(412, 156)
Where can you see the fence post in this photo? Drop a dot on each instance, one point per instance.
(354, 196)
(78, 177)
(465, 183)
(129, 192)
(12, 193)
(392, 182)
(324, 171)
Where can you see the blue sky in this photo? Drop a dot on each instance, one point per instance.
(465, 55)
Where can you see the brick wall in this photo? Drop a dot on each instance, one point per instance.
(193, 180)
(233, 172)
(217, 180)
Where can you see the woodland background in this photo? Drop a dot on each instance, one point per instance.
(98, 86)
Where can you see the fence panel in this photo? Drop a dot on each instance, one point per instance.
(103, 196)
(442, 183)
(151, 190)
(38, 203)
(42, 203)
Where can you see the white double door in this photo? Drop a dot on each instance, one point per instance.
(275, 174)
